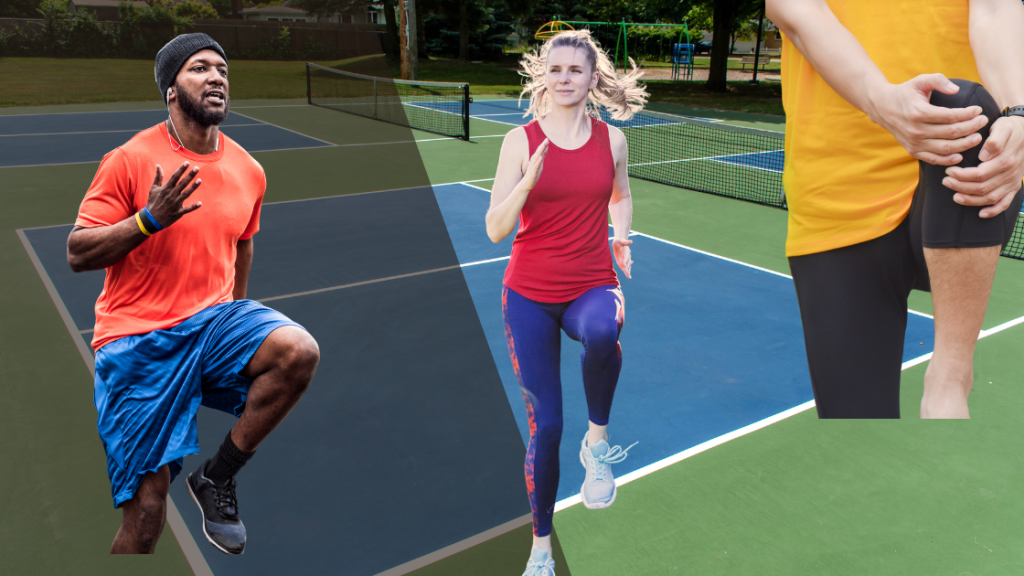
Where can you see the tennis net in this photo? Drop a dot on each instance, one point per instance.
(720, 159)
(438, 107)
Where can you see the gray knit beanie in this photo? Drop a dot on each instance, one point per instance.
(173, 55)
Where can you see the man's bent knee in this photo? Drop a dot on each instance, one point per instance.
(300, 358)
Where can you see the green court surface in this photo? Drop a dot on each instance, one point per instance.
(798, 496)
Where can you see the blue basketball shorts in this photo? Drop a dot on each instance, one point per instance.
(149, 387)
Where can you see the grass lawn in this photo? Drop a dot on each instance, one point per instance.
(50, 81)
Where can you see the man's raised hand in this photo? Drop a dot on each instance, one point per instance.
(166, 199)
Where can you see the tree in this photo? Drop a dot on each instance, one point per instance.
(727, 15)
(486, 40)
(19, 8)
(195, 11)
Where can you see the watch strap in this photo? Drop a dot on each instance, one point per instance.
(1013, 111)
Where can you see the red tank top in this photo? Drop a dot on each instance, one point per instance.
(562, 250)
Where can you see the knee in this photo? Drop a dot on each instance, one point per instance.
(549, 435)
(300, 359)
(602, 339)
(147, 517)
(969, 94)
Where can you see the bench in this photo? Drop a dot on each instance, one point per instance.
(763, 62)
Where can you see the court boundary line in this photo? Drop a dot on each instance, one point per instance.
(102, 131)
(460, 546)
(360, 283)
(189, 548)
(288, 129)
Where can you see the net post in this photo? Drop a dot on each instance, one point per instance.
(375, 98)
(465, 111)
(309, 93)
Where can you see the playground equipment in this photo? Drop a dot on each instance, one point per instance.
(602, 35)
(682, 61)
(551, 29)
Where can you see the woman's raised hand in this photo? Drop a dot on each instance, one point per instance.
(536, 166)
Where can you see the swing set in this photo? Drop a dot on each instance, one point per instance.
(680, 55)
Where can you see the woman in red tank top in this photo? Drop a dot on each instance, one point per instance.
(559, 177)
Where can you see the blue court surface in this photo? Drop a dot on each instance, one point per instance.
(412, 435)
(43, 139)
(772, 161)
(709, 345)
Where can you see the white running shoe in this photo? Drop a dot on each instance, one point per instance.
(541, 563)
(598, 489)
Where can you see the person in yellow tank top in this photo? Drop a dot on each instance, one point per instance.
(898, 178)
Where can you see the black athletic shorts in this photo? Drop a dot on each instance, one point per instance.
(853, 300)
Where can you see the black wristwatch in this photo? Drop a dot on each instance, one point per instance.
(1013, 111)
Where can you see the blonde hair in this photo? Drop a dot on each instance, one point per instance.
(621, 95)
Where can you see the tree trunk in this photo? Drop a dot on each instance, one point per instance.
(464, 30)
(421, 36)
(723, 17)
(393, 47)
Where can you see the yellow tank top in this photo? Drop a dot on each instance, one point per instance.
(848, 180)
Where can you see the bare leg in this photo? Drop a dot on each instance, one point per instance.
(596, 433)
(281, 370)
(144, 515)
(961, 281)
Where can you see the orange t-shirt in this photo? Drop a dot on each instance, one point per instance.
(187, 266)
(847, 179)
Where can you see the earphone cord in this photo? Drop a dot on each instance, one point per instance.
(173, 127)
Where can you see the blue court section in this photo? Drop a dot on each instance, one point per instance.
(405, 442)
(511, 112)
(708, 346)
(772, 161)
(38, 139)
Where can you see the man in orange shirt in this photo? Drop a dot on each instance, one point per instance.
(872, 122)
(173, 329)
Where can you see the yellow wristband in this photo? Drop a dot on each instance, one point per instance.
(138, 219)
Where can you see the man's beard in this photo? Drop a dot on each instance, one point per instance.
(194, 109)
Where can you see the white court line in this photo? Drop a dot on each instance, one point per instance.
(280, 106)
(495, 121)
(702, 447)
(485, 261)
(650, 468)
(181, 532)
(288, 129)
(100, 131)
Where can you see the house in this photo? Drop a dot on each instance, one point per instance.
(277, 14)
(359, 13)
(104, 10)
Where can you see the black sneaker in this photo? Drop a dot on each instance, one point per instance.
(220, 511)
